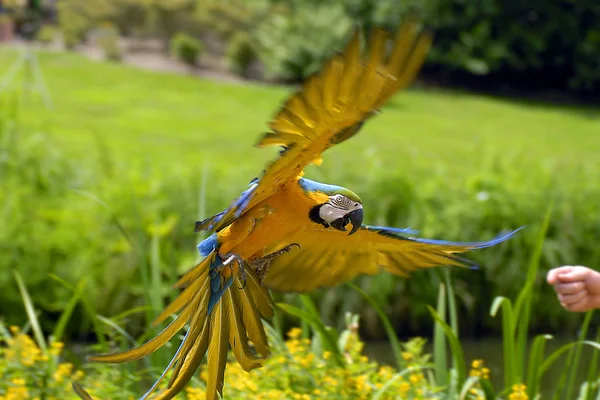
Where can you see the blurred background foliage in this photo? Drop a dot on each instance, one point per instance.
(537, 44)
(124, 223)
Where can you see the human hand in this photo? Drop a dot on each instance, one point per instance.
(578, 288)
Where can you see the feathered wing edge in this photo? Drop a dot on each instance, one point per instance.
(329, 257)
(331, 107)
(214, 326)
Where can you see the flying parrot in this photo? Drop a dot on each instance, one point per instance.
(288, 233)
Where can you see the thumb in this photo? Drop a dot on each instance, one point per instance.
(553, 275)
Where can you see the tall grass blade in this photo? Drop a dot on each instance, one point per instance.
(387, 325)
(469, 384)
(309, 306)
(118, 329)
(536, 356)
(439, 341)
(592, 373)
(65, 316)
(153, 291)
(577, 355)
(113, 214)
(508, 342)
(523, 302)
(557, 353)
(455, 347)
(89, 309)
(30, 310)
(451, 302)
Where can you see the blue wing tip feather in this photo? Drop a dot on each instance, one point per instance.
(477, 245)
(395, 230)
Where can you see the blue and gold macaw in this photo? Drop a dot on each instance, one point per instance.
(289, 233)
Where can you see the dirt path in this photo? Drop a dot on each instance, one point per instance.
(149, 55)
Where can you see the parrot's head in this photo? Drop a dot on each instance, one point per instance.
(341, 209)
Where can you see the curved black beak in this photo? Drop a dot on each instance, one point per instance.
(353, 217)
(356, 219)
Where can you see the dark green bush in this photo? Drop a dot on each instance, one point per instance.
(155, 18)
(46, 34)
(240, 53)
(186, 48)
(294, 43)
(552, 44)
(229, 17)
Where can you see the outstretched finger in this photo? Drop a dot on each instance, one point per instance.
(574, 274)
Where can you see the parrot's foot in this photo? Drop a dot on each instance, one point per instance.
(261, 265)
(229, 259)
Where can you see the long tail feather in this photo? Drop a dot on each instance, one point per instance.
(217, 349)
(198, 328)
(220, 315)
(183, 298)
(187, 366)
(238, 339)
(260, 296)
(150, 346)
(251, 318)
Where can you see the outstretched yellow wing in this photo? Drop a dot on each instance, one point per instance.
(330, 108)
(330, 257)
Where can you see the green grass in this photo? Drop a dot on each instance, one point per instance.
(134, 151)
(166, 119)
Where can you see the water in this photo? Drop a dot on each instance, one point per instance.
(490, 350)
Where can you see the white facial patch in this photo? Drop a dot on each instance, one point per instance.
(337, 207)
(330, 213)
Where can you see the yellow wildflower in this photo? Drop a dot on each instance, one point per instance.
(519, 392)
(18, 381)
(404, 387)
(415, 378)
(485, 373)
(63, 371)
(295, 333)
(56, 348)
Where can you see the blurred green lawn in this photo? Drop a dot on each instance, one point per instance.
(167, 119)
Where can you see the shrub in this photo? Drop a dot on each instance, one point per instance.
(229, 17)
(240, 53)
(46, 34)
(109, 41)
(293, 44)
(547, 44)
(186, 48)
